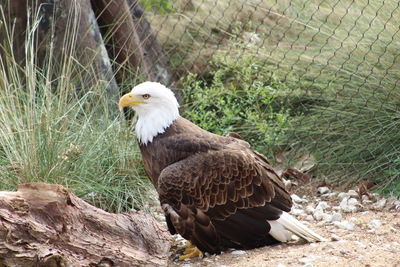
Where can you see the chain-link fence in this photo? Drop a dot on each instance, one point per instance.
(335, 67)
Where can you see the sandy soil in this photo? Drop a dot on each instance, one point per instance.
(362, 246)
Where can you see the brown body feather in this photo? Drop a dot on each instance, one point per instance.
(215, 191)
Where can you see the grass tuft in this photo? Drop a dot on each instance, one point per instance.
(54, 132)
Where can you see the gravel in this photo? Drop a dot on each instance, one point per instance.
(323, 190)
(238, 252)
(379, 205)
(344, 225)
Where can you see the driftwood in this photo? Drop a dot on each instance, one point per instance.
(46, 225)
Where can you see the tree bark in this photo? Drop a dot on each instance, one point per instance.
(46, 225)
(99, 33)
(67, 30)
(130, 40)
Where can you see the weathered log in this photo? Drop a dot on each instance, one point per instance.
(46, 225)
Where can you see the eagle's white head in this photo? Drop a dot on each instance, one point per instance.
(156, 107)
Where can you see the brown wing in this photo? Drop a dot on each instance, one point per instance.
(222, 198)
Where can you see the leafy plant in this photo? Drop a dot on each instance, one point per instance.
(161, 6)
(237, 97)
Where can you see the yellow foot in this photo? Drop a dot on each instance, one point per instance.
(187, 244)
(180, 248)
(191, 252)
(187, 251)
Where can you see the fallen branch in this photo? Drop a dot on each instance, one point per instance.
(46, 225)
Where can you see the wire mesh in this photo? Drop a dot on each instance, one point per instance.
(339, 60)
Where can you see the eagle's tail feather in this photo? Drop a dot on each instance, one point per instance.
(286, 222)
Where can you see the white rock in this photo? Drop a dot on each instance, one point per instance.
(364, 198)
(336, 216)
(329, 195)
(392, 203)
(352, 202)
(327, 217)
(323, 190)
(238, 252)
(344, 225)
(281, 265)
(367, 202)
(305, 199)
(348, 204)
(318, 214)
(310, 209)
(379, 205)
(297, 199)
(343, 195)
(352, 193)
(298, 212)
(309, 218)
(288, 184)
(375, 195)
(322, 205)
(375, 224)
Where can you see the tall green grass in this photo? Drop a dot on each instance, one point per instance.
(56, 127)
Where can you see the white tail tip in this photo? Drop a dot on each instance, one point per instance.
(282, 229)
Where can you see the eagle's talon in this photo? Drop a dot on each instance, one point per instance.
(190, 253)
(187, 244)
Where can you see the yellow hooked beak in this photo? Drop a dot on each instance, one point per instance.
(129, 100)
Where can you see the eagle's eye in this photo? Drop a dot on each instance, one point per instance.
(146, 96)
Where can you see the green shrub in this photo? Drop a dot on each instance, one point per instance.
(237, 97)
(161, 6)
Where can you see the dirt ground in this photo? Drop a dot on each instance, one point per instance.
(365, 245)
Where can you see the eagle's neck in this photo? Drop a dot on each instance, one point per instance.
(154, 122)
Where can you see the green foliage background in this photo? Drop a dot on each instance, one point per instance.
(236, 97)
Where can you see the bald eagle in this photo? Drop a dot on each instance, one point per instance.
(215, 190)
